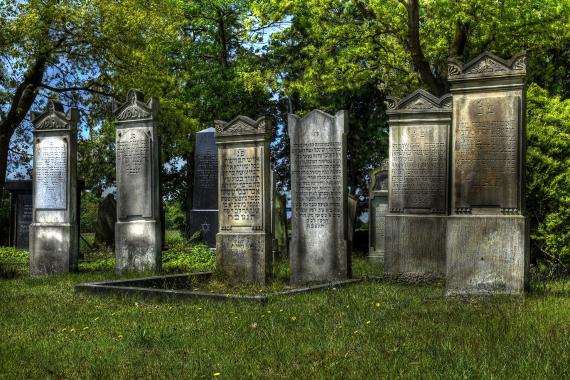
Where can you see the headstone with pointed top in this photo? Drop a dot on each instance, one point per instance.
(243, 243)
(377, 211)
(487, 232)
(418, 185)
(54, 232)
(138, 228)
(203, 217)
(319, 226)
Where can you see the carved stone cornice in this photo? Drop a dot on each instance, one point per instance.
(419, 101)
(54, 117)
(487, 65)
(243, 126)
(135, 108)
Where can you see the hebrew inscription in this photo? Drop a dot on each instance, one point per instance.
(50, 170)
(206, 170)
(133, 170)
(486, 152)
(241, 188)
(319, 194)
(418, 168)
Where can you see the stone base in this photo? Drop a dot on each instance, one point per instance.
(415, 244)
(244, 257)
(487, 255)
(205, 221)
(53, 249)
(138, 246)
(311, 265)
(376, 257)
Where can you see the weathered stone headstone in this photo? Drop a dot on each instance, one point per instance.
(54, 233)
(280, 230)
(204, 214)
(319, 230)
(487, 234)
(106, 220)
(243, 245)
(418, 184)
(377, 211)
(138, 228)
(21, 209)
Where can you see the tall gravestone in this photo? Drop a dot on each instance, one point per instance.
(21, 210)
(243, 243)
(319, 230)
(54, 233)
(377, 211)
(487, 234)
(418, 184)
(138, 228)
(204, 214)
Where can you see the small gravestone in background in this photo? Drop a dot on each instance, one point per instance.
(243, 245)
(21, 209)
(487, 234)
(418, 184)
(138, 228)
(319, 231)
(378, 208)
(106, 219)
(54, 232)
(203, 217)
(280, 229)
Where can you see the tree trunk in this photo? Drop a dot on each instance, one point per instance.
(4, 146)
(189, 189)
(437, 87)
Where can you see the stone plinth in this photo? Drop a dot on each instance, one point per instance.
(138, 228)
(487, 242)
(418, 184)
(243, 243)
(377, 211)
(203, 217)
(21, 212)
(54, 233)
(319, 230)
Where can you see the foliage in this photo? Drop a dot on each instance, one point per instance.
(188, 258)
(13, 262)
(175, 215)
(89, 207)
(548, 177)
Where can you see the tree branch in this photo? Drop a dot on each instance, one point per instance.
(77, 88)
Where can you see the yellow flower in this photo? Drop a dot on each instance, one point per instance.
(293, 318)
(377, 304)
(216, 374)
(86, 328)
(367, 322)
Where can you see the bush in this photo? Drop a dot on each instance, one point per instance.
(13, 262)
(548, 180)
(183, 257)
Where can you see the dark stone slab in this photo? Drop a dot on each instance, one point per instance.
(377, 210)
(106, 219)
(172, 287)
(21, 212)
(203, 217)
(319, 225)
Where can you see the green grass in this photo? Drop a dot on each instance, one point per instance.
(362, 331)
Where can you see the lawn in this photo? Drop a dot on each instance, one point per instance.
(366, 330)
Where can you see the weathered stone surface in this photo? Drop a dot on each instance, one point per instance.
(418, 184)
(280, 230)
(138, 228)
(487, 169)
(243, 245)
(319, 233)
(21, 211)
(106, 219)
(54, 229)
(377, 211)
(204, 214)
(487, 254)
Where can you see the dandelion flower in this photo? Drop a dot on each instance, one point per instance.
(377, 304)
(216, 374)
(367, 322)
(293, 318)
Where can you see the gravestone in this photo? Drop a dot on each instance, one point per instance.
(106, 220)
(418, 185)
(487, 234)
(377, 211)
(138, 228)
(203, 217)
(54, 232)
(21, 210)
(243, 243)
(319, 230)
(280, 229)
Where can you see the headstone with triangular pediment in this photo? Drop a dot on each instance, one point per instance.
(418, 185)
(138, 228)
(377, 211)
(243, 243)
(54, 230)
(319, 225)
(487, 237)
